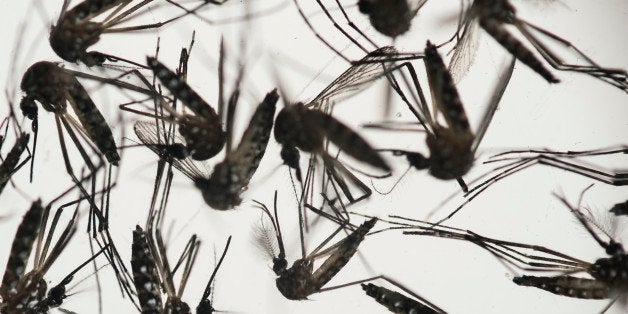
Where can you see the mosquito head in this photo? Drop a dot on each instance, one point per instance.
(205, 307)
(417, 160)
(28, 107)
(56, 295)
(614, 248)
(280, 264)
(177, 150)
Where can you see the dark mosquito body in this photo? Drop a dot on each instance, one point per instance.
(300, 280)
(53, 87)
(150, 265)
(391, 18)
(28, 292)
(202, 131)
(11, 163)
(493, 16)
(395, 301)
(452, 147)
(308, 127)
(76, 31)
(608, 275)
(222, 188)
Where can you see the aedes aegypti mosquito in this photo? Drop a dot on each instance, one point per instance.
(11, 163)
(28, 292)
(300, 280)
(493, 15)
(151, 268)
(452, 147)
(76, 29)
(608, 273)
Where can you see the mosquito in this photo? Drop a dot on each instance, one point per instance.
(452, 147)
(11, 163)
(306, 126)
(608, 273)
(222, 188)
(301, 280)
(493, 16)
(28, 292)
(76, 31)
(151, 268)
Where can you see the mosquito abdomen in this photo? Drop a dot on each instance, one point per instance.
(341, 256)
(145, 276)
(93, 122)
(11, 160)
(74, 34)
(516, 48)
(395, 301)
(348, 140)
(573, 287)
(21, 250)
(182, 91)
(444, 91)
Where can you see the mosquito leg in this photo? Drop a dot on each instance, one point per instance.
(309, 25)
(70, 170)
(338, 27)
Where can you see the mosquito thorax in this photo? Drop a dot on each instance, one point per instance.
(204, 140)
(216, 190)
(294, 283)
(389, 17)
(450, 154)
(612, 270)
(500, 10)
(292, 128)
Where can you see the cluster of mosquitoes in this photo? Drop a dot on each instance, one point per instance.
(183, 130)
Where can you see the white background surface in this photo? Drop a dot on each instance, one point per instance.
(580, 113)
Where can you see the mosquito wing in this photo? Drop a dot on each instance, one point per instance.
(465, 50)
(357, 78)
(148, 134)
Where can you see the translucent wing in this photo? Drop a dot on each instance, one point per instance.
(148, 134)
(357, 78)
(465, 51)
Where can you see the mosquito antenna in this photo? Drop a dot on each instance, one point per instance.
(208, 288)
